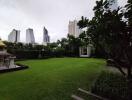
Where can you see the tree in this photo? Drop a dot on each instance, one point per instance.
(62, 43)
(94, 28)
(109, 31)
(83, 22)
(73, 45)
(128, 13)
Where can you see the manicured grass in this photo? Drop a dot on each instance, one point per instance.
(50, 79)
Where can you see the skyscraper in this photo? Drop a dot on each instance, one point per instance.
(113, 4)
(30, 36)
(73, 29)
(14, 36)
(46, 37)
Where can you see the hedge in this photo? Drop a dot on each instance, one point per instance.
(111, 85)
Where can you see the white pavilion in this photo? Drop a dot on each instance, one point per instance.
(6, 59)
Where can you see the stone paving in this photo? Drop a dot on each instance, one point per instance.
(3, 68)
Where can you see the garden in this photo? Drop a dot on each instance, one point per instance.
(50, 79)
(56, 71)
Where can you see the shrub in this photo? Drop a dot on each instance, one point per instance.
(25, 54)
(111, 85)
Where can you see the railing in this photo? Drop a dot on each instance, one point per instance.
(87, 93)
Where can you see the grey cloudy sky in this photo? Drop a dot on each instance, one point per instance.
(53, 14)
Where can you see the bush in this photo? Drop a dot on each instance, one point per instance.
(111, 85)
(25, 54)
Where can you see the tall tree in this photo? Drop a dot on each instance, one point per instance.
(73, 45)
(111, 33)
(107, 29)
(128, 14)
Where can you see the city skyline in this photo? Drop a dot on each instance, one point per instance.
(14, 36)
(54, 15)
(30, 36)
(46, 37)
(73, 29)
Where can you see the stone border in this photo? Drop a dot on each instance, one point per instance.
(22, 67)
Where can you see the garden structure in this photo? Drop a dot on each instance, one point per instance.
(6, 59)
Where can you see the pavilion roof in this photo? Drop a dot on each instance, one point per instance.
(2, 44)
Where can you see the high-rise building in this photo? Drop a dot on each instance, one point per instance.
(14, 36)
(113, 4)
(30, 36)
(46, 37)
(73, 29)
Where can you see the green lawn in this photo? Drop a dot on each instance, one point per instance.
(50, 79)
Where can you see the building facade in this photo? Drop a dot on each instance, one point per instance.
(46, 37)
(73, 29)
(30, 36)
(14, 36)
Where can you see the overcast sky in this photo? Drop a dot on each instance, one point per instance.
(53, 14)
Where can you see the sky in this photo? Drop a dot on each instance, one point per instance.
(53, 14)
